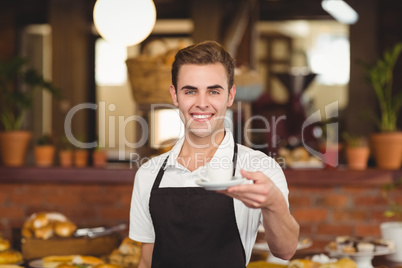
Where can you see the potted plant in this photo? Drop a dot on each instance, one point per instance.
(80, 157)
(44, 151)
(65, 152)
(387, 145)
(14, 104)
(392, 230)
(99, 157)
(357, 151)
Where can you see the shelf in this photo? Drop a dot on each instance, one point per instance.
(123, 174)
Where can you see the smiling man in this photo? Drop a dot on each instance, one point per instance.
(183, 225)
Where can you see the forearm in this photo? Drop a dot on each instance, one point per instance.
(281, 230)
(146, 255)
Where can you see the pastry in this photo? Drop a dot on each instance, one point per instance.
(341, 263)
(353, 244)
(64, 229)
(4, 244)
(10, 257)
(45, 225)
(303, 263)
(107, 266)
(71, 260)
(54, 261)
(128, 254)
(365, 247)
(129, 246)
(348, 249)
(41, 220)
(44, 232)
(80, 259)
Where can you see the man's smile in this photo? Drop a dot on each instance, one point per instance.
(201, 117)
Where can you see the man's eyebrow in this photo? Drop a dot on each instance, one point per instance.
(209, 87)
(188, 87)
(215, 86)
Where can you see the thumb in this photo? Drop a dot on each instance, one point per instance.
(249, 175)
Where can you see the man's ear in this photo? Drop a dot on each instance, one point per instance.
(174, 95)
(232, 93)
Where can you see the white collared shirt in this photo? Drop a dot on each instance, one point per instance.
(176, 175)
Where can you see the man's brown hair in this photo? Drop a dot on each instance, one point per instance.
(206, 52)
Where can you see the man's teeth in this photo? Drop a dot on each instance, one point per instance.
(201, 116)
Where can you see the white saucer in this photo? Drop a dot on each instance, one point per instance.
(220, 185)
(302, 244)
(36, 263)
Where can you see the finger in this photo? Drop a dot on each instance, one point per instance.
(248, 188)
(254, 176)
(247, 174)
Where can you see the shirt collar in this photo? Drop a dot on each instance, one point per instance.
(225, 149)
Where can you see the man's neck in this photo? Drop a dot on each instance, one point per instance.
(198, 151)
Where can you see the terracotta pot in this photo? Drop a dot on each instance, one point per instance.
(387, 150)
(44, 155)
(99, 158)
(81, 158)
(357, 157)
(13, 147)
(66, 158)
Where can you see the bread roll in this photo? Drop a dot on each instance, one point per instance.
(41, 220)
(341, 263)
(65, 265)
(79, 259)
(4, 244)
(54, 260)
(64, 229)
(300, 154)
(44, 232)
(10, 257)
(107, 266)
(129, 247)
(45, 224)
(25, 232)
(303, 263)
(58, 258)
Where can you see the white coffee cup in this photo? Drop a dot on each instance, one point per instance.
(219, 171)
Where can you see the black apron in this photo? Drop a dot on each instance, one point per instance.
(194, 227)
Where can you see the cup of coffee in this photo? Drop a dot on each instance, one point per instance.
(219, 171)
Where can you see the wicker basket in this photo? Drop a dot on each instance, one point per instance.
(150, 79)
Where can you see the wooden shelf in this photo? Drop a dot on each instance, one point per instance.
(123, 174)
(85, 175)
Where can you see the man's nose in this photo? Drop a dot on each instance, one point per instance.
(202, 101)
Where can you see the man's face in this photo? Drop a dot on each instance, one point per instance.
(202, 98)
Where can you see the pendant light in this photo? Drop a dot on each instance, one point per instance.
(127, 22)
(340, 11)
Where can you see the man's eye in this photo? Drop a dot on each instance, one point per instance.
(214, 92)
(190, 92)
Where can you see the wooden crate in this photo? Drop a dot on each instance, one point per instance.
(37, 248)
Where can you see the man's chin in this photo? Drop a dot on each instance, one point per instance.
(200, 133)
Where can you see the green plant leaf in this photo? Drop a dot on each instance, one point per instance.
(13, 102)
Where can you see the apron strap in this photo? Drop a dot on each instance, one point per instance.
(234, 159)
(160, 175)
